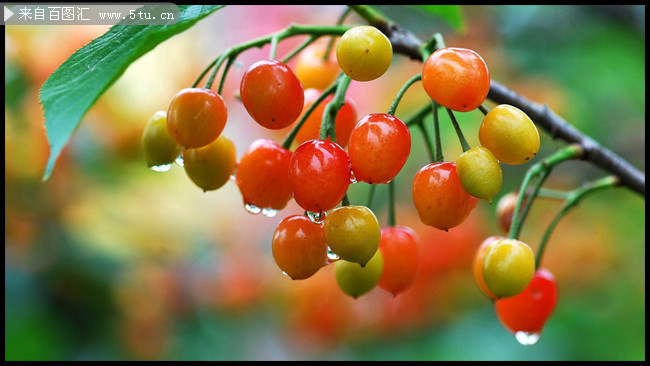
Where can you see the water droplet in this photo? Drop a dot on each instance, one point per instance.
(269, 212)
(252, 209)
(179, 160)
(331, 255)
(161, 168)
(527, 338)
(285, 273)
(316, 217)
(353, 178)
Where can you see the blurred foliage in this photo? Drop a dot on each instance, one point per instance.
(108, 260)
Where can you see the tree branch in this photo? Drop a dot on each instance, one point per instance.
(406, 43)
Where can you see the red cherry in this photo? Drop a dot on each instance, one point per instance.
(439, 197)
(263, 175)
(299, 247)
(272, 94)
(320, 175)
(400, 248)
(379, 146)
(529, 310)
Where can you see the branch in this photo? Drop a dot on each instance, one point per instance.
(406, 43)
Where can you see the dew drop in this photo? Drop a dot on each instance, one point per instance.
(161, 168)
(252, 209)
(269, 212)
(331, 255)
(316, 217)
(285, 273)
(179, 160)
(527, 338)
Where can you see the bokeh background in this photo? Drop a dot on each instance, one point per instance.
(108, 260)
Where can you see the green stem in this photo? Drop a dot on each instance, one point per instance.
(371, 193)
(274, 47)
(332, 108)
(213, 75)
(330, 44)
(436, 133)
(427, 140)
(391, 203)
(417, 117)
(485, 110)
(545, 166)
(459, 132)
(294, 131)
(572, 200)
(290, 31)
(346, 200)
(204, 72)
(299, 48)
(550, 193)
(231, 60)
(401, 92)
(434, 43)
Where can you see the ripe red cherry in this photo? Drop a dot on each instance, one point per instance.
(529, 310)
(272, 94)
(320, 175)
(379, 146)
(456, 78)
(263, 175)
(400, 248)
(439, 197)
(299, 247)
(344, 122)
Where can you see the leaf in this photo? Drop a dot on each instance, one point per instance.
(77, 84)
(452, 14)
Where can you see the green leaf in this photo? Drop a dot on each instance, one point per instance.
(77, 84)
(452, 14)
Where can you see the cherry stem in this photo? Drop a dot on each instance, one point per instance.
(572, 199)
(436, 133)
(290, 31)
(391, 203)
(332, 109)
(294, 131)
(401, 92)
(459, 132)
(431, 45)
(330, 44)
(542, 168)
(427, 140)
(346, 200)
(371, 193)
(485, 110)
(225, 72)
(299, 48)
(417, 119)
(274, 47)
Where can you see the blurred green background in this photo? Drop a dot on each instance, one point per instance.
(108, 260)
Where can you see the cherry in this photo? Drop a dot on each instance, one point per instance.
(211, 166)
(158, 146)
(355, 280)
(439, 197)
(478, 266)
(313, 70)
(272, 94)
(364, 53)
(196, 117)
(529, 311)
(399, 246)
(456, 78)
(380, 144)
(508, 266)
(263, 175)
(353, 233)
(319, 171)
(299, 247)
(510, 134)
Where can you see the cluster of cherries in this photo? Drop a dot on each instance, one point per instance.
(318, 172)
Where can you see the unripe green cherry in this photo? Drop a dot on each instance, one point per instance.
(158, 146)
(211, 166)
(355, 280)
(508, 267)
(510, 134)
(479, 173)
(364, 53)
(353, 233)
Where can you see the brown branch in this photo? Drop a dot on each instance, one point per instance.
(406, 43)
